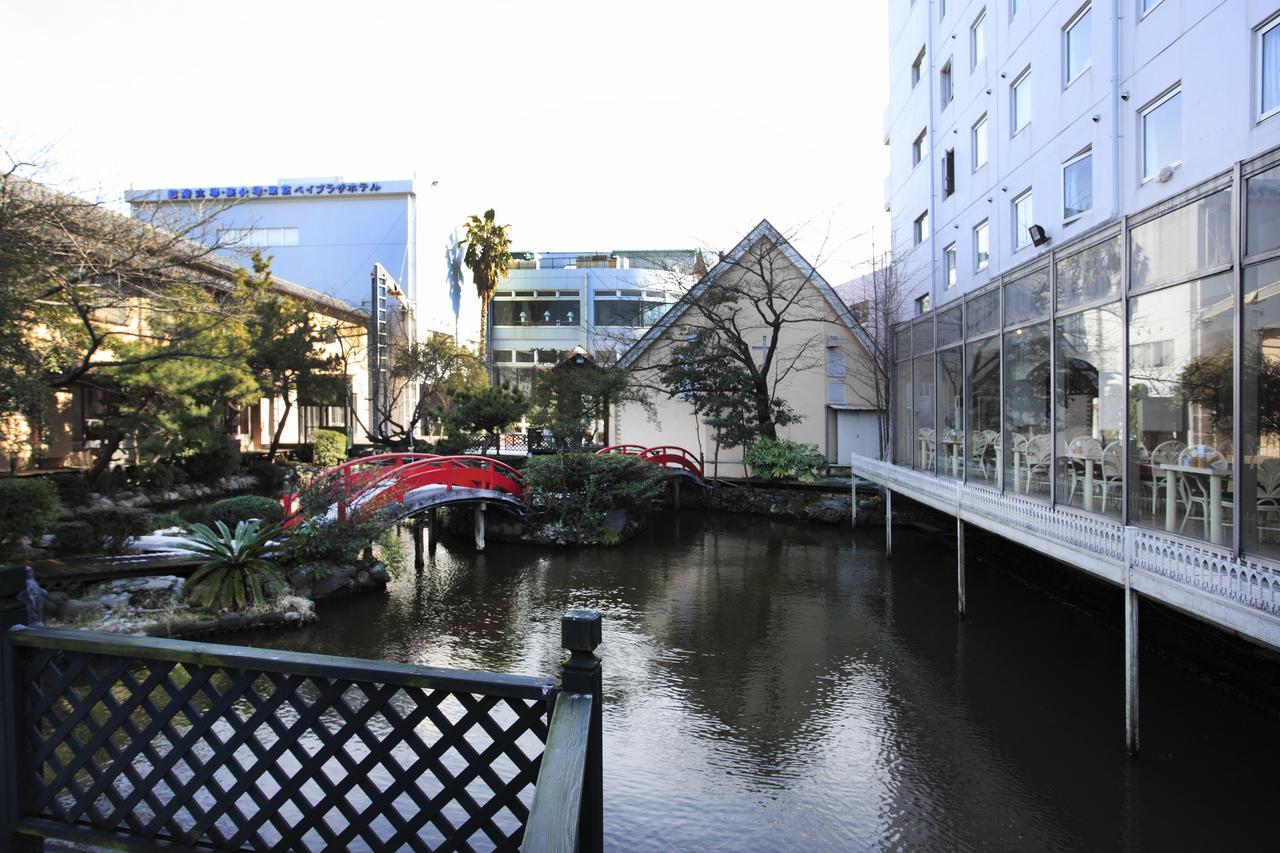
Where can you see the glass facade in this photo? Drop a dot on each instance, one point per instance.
(1106, 376)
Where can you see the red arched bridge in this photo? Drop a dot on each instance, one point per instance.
(401, 485)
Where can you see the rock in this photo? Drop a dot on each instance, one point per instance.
(82, 610)
(152, 593)
(362, 578)
(379, 573)
(337, 578)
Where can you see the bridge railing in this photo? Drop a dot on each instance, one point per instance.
(123, 742)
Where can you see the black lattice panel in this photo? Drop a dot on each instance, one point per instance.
(221, 757)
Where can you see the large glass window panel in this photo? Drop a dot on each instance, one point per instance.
(534, 312)
(1182, 242)
(926, 439)
(902, 420)
(1027, 297)
(983, 313)
(1079, 39)
(1180, 408)
(949, 454)
(922, 336)
(950, 328)
(1091, 275)
(1028, 455)
(1260, 411)
(1262, 218)
(1089, 410)
(982, 410)
(902, 342)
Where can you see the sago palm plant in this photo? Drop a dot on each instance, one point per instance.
(236, 572)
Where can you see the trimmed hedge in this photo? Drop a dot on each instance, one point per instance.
(94, 531)
(329, 447)
(245, 508)
(27, 507)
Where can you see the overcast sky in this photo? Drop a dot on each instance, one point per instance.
(586, 125)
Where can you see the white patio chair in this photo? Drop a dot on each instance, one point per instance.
(1165, 453)
(1108, 478)
(1037, 458)
(1079, 450)
(1193, 491)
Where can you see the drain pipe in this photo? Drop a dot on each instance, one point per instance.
(1115, 108)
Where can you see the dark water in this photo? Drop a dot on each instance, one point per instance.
(772, 686)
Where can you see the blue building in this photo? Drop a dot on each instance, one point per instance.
(325, 233)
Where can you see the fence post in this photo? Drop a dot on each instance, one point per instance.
(580, 633)
(13, 580)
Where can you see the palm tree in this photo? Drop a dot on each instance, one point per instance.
(488, 257)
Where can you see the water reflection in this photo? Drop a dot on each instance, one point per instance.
(774, 686)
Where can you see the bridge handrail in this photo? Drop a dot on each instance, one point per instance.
(508, 479)
(624, 449)
(664, 453)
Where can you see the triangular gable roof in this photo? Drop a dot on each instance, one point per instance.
(764, 230)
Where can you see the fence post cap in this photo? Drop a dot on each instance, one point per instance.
(580, 630)
(13, 579)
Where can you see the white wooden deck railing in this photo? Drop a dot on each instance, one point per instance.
(1238, 593)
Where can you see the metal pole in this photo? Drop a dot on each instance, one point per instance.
(959, 566)
(888, 522)
(1130, 667)
(580, 634)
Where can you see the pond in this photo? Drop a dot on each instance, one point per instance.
(773, 686)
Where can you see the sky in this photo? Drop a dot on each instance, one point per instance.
(587, 126)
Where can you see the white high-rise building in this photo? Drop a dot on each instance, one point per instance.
(1009, 114)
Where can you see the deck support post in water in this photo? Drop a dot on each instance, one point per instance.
(1130, 668)
(433, 531)
(960, 566)
(480, 527)
(675, 493)
(888, 521)
(418, 561)
(580, 634)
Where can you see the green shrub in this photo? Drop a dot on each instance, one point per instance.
(236, 572)
(576, 490)
(113, 527)
(270, 474)
(453, 444)
(230, 511)
(73, 488)
(213, 463)
(329, 447)
(164, 520)
(27, 507)
(322, 540)
(778, 459)
(162, 476)
(74, 537)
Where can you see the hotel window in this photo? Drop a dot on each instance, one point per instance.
(1079, 47)
(1162, 133)
(949, 265)
(920, 228)
(919, 146)
(981, 246)
(942, 9)
(1020, 101)
(917, 68)
(250, 237)
(949, 173)
(1077, 185)
(1022, 220)
(978, 39)
(922, 304)
(1148, 5)
(946, 85)
(1269, 69)
(1014, 7)
(979, 135)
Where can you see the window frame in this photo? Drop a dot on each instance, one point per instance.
(1025, 195)
(1014, 128)
(1154, 104)
(1066, 46)
(1143, 12)
(1015, 6)
(918, 153)
(917, 67)
(946, 83)
(986, 141)
(948, 171)
(1087, 151)
(920, 228)
(984, 226)
(979, 21)
(1260, 33)
(950, 265)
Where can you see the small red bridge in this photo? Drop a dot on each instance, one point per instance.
(405, 484)
(675, 459)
